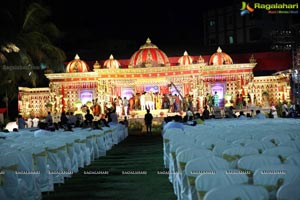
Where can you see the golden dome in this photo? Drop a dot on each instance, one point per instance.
(200, 59)
(220, 58)
(149, 55)
(112, 63)
(97, 65)
(185, 59)
(77, 65)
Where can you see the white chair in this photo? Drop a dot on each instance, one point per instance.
(293, 144)
(273, 176)
(277, 139)
(280, 151)
(26, 164)
(39, 155)
(289, 191)
(233, 154)
(12, 187)
(237, 136)
(242, 141)
(242, 192)
(182, 159)
(260, 145)
(219, 148)
(211, 142)
(206, 182)
(199, 166)
(254, 162)
(293, 159)
(180, 141)
(168, 135)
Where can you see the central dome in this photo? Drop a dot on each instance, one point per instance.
(149, 55)
(220, 58)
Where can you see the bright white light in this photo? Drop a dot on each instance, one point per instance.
(11, 125)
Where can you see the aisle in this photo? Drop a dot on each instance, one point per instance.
(141, 155)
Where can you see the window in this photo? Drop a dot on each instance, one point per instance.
(230, 39)
(212, 22)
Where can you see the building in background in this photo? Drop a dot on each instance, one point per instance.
(150, 70)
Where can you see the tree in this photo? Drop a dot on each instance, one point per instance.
(33, 34)
(27, 47)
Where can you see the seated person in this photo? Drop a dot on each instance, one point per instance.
(103, 123)
(63, 120)
(242, 115)
(114, 118)
(259, 115)
(230, 113)
(177, 123)
(189, 115)
(72, 119)
(89, 118)
(68, 128)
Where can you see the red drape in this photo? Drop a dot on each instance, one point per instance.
(186, 89)
(164, 89)
(118, 91)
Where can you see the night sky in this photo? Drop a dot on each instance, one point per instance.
(98, 28)
(95, 29)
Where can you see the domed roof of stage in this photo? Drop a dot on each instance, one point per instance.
(220, 58)
(185, 59)
(112, 63)
(149, 55)
(77, 65)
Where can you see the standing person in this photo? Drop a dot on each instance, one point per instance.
(20, 122)
(205, 113)
(131, 103)
(49, 119)
(125, 106)
(148, 121)
(143, 101)
(216, 100)
(285, 110)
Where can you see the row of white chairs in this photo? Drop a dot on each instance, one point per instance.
(31, 164)
(260, 155)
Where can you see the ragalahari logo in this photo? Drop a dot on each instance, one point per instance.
(246, 8)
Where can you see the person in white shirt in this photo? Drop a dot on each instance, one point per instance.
(29, 123)
(189, 114)
(143, 101)
(35, 122)
(274, 112)
(125, 104)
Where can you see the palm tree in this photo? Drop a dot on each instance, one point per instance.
(32, 33)
(26, 46)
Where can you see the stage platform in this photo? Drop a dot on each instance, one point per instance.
(155, 113)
